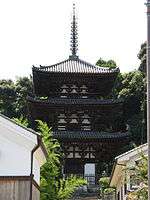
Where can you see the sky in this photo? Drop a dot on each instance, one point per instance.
(37, 32)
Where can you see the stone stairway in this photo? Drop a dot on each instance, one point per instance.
(91, 193)
(89, 198)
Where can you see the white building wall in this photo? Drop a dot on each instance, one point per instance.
(14, 159)
(16, 144)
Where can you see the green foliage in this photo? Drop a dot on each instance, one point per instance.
(110, 63)
(105, 189)
(52, 185)
(104, 183)
(21, 121)
(13, 97)
(131, 87)
(109, 191)
(51, 169)
(43, 98)
(142, 58)
(23, 87)
(140, 175)
(68, 187)
(7, 98)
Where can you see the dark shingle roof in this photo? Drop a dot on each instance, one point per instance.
(75, 66)
(89, 135)
(80, 101)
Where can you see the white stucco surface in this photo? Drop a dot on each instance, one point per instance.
(16, 144)
(14, 159)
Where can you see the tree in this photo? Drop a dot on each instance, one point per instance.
(53, 186)
(140, 175)
(131, 87)
(13, 102)
(7, 98)
(111, 64)
(23, 87)
(105, 189)
(142, 58)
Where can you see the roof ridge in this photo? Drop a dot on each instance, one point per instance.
(132, 150)
(49, 66)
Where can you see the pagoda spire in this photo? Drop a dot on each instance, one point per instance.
(74, 35)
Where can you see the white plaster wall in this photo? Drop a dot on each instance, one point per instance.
(16, 144)
(14, 159)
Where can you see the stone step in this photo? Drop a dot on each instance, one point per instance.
(89, 198)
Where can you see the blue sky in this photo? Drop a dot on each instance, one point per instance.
(35, 32)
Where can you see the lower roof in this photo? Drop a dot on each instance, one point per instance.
(70, 101)
(71, 135)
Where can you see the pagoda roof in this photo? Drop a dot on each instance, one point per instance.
(75, 65)
(73, 101)
(71, 135)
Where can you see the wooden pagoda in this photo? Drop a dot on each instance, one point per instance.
(71, 96)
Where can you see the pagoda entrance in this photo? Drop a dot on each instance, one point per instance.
(89, 173)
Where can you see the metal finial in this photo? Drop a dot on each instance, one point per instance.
(74, 36)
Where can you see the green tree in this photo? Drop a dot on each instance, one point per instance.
(142, 57)
(13, 95)
(105, 189)
(68, 187)
(131, 87)
(103, 63)
(140, 175)
(23, 87)
(53, 186)
(7, 98)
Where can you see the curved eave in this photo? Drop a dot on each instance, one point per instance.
(81, 101)
(75, 66)
(90, 135)
(38, 70)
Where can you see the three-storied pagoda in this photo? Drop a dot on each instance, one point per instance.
(71, 96)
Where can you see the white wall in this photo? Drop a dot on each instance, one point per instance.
(16, 144)
(14, 159)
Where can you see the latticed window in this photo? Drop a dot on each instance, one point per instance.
(64, 89)
(74, 119)
(83, 89)
(67, 89)
(62, 122)
(86, 123)
(74, 89)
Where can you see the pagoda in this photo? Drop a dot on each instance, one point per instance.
(72, 97)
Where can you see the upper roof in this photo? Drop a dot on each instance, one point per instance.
(75, 65)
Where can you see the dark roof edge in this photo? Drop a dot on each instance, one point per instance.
(101, 102)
